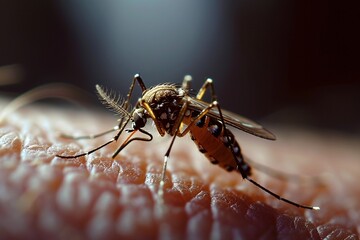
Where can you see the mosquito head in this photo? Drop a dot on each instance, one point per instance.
(139, 118)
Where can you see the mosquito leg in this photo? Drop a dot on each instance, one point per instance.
(197, 118)
(139, 80)
(240, 169)
(186, 86)
(114, 139)
(163, 172)
(87, 153)
(208, 83)
(281, 198)
(120, 127)
(244, 174)
(203, 113)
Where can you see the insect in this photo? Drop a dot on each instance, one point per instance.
(176, 113)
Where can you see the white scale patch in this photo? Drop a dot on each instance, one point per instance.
(163, 116)
(236, 150)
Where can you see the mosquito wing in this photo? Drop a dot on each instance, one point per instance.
(232, 119)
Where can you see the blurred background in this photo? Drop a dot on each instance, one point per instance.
(293, 62)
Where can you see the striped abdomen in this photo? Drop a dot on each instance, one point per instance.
(209, 135)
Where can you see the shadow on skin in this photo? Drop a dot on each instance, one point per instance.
(43, 196)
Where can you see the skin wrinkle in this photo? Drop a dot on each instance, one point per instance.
(225, 206)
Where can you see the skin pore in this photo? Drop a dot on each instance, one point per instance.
(93, 197)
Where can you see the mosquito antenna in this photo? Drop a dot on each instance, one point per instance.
(280, 198)
(140, 82)
(112, 101)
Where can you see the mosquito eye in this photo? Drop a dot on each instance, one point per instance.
(139, 120)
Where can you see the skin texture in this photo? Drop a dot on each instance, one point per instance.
(93, 197)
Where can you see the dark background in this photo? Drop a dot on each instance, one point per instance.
(293, 62)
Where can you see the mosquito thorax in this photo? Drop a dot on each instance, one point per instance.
(165, 100)
(138, 118)
(161, 93)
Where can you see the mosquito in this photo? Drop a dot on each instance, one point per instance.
(175, 112)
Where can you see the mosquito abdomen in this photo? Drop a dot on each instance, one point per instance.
(220, 148)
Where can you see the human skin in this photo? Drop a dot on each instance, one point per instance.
(97, 197)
